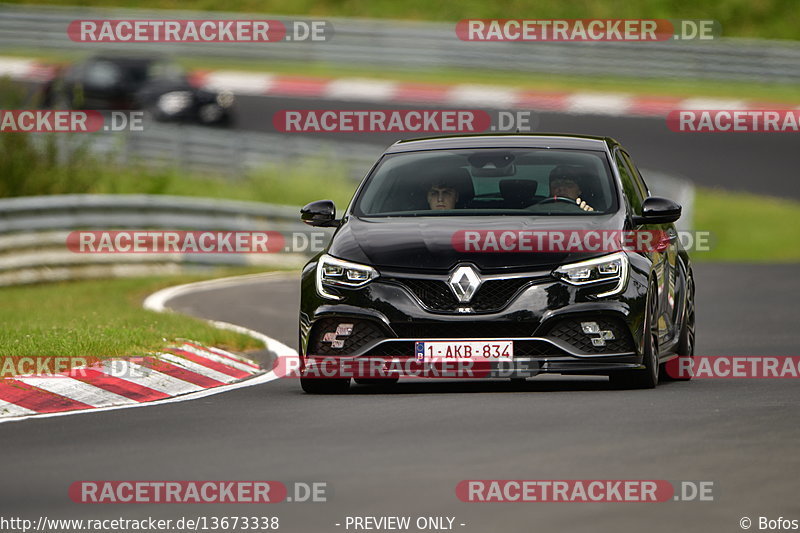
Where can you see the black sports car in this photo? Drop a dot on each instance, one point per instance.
(492, 249)
(150, 83)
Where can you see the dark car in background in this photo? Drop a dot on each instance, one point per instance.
(396, 281)
(151, 83)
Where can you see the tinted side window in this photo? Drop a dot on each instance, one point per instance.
(101, 74)
(638, 180)
(633, 193)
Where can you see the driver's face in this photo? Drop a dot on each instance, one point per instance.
(565, 187)
(442, 198)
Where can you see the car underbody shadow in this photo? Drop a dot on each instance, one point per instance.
(445, 386)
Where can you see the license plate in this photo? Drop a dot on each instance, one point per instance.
(476, 351)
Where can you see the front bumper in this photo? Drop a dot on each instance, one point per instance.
(385, 319)
(370, 367)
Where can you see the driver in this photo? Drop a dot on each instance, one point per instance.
(564, 184)
(442, 196)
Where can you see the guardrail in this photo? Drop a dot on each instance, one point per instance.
(416, 45)
(233, 153)
(34, 230)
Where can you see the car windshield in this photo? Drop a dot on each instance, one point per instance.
(107, 71)
(516, 181)
(165, 70)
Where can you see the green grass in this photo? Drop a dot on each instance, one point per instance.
(269, 185)
(747, 227)
(27, 171)
(774, 19)
(276, 186)
(100, 318)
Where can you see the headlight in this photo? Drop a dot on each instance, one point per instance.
(332, 272)
(174, 102)
(612, 267)
(224, 98)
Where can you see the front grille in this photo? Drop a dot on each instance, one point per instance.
(536, 349)
(493, 294)
(569, 330)
(364, 332)
(463, 330)
(434, 294)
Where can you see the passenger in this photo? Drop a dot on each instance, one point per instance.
(442, 196)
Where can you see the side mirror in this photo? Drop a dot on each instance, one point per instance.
(321, 213)
(656, 210)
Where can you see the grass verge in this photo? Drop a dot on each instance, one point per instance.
(29, 170)
(747, 227)
(276, 186)
(102, 318)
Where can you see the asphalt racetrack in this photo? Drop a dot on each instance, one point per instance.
(402, 451)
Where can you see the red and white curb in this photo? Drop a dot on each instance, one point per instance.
(186, 368)
(462, 95)
(185, 372)
(465, 95)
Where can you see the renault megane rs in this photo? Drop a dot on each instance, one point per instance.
(510, 253)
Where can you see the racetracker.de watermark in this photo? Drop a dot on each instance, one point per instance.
(42, 365)
(587, 30)
(582, 490)
(69, 121)
(562, 241)
(494, 365)
(492, 359)
(177, 492)
(194, 242)
(734, 367)
(734, 120)
(198, 31)
(401, 121)
(202, 492)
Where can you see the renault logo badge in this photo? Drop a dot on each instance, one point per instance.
(464, 282)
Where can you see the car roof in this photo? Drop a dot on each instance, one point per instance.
(504, 140)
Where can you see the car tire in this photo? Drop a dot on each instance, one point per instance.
(210, 114)
(376, 381)
(324, 386)
(686, 340)
(646, 378)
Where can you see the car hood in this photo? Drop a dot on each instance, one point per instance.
(427, 242)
